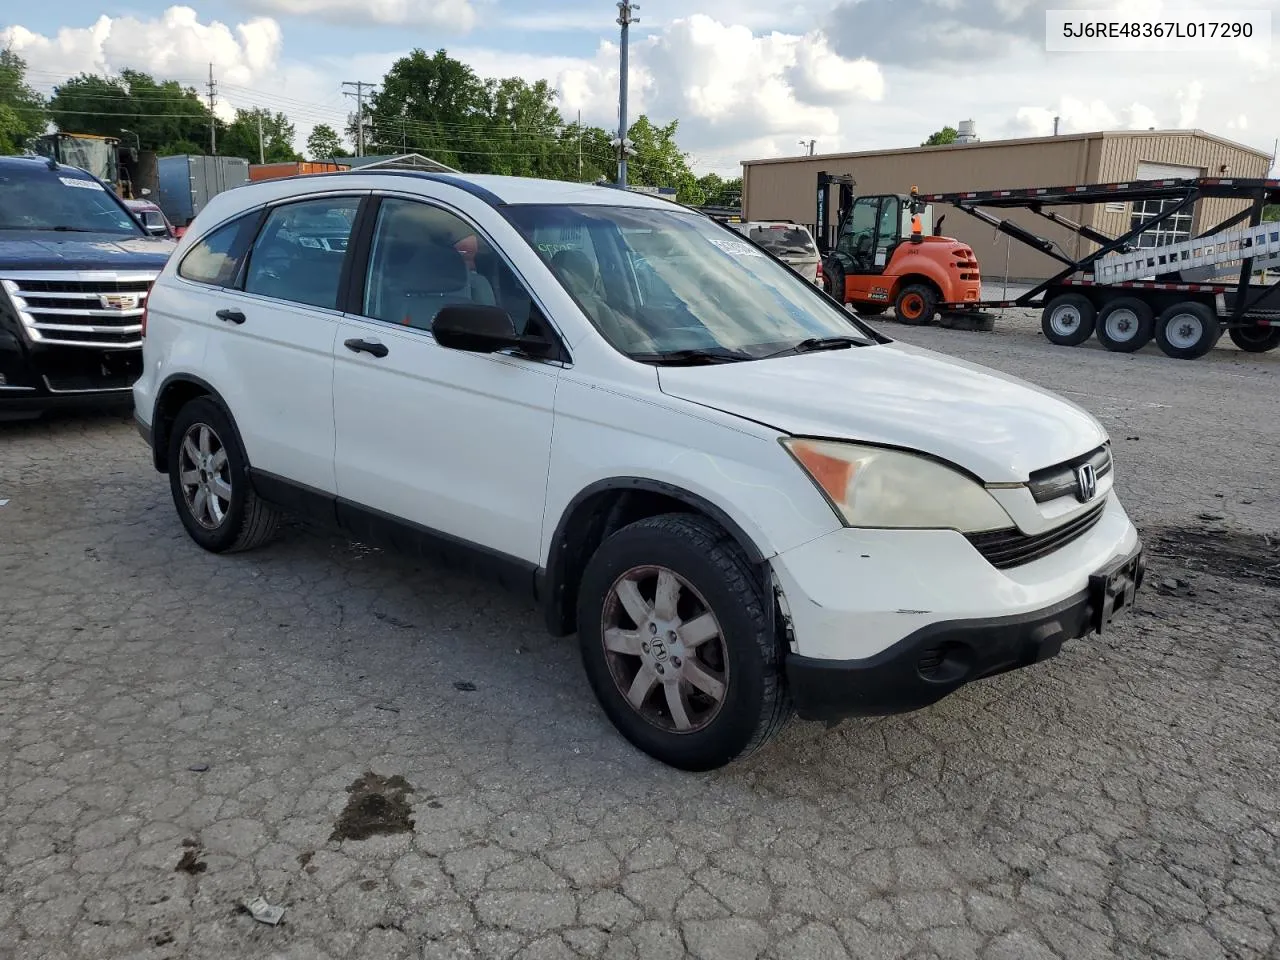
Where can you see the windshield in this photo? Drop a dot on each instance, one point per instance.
(37, 198)
(656, 282)
(783, 239)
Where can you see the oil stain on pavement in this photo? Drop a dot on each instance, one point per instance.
(378, 805)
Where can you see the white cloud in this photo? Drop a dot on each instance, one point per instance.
(1079, 116)
(455, 15)
(174, 45)
(1189, 103)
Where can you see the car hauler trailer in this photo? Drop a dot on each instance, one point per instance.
(1184, 294)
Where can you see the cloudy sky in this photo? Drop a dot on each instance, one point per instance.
(746, 78)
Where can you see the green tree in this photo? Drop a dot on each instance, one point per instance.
(324, 143)
(160, 114)
(241, 137)
(22, 110)
(658, 159)
(1271, 212)
(433, 105)
(942, 137)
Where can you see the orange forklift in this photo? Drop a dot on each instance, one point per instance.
(888, 253)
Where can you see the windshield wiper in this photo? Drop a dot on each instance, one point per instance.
(62, 229)
(814, 344)
(697, 356)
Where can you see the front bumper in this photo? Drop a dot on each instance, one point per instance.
(938, 659)
(33, 379)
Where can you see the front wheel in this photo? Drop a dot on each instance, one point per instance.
(209, 479)
(833, 280)
(677, 645)
(1255, 339)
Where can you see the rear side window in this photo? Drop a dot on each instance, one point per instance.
(216, 258)
(299, 253)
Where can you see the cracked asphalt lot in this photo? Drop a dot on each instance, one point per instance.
(181, 733)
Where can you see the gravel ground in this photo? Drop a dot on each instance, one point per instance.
(180, 733)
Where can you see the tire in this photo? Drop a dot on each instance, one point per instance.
(916, 305)
(712, 576)
(229, 521)
(1068, 320)
(1255, 339)
(833, 280)
(1125, 325)
(1187, 330)
(864, 310)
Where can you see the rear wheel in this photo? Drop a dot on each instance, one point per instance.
(1187, 330)
(677, 645)
(916, 304)
(1068, 320)
(1255, 339)
(1125, 325)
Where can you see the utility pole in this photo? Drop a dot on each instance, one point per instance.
(625, 19)
(262, 150)
(213, 120)
(360, 86)
(580, 145)
(810, 144)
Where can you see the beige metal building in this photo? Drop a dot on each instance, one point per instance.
(785, 188)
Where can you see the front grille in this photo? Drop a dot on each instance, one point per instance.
(1060, 480)
(92, 309)
(1012, 548)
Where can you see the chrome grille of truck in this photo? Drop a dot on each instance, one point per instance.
(80, 309)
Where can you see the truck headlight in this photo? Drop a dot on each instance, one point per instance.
(877, 487)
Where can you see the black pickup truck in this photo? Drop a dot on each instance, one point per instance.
(75, 269)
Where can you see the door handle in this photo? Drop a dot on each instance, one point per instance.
(367, 346)
(235, 316)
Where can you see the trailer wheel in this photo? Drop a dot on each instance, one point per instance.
(1125, 325)
(916, 305)
(1068, 320)
(1187, 330)
(1255, 339)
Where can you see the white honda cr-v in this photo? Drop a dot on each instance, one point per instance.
(746, 503)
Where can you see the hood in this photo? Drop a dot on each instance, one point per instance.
(995, 426)
(44, 250)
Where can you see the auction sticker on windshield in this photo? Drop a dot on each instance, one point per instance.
(82, 184)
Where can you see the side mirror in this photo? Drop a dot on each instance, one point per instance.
(474, 327)
(157, 230)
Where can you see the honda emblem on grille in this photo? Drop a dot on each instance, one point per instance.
(1086, 482)
(119, 301)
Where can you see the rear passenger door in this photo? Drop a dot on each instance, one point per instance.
(454, 442)
(272, 355)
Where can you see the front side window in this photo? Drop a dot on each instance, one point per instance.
(424, 258)
(299, 252)
(60, 201)
(215, 259)
(655, 282)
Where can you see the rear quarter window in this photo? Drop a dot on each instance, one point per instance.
(215, 259)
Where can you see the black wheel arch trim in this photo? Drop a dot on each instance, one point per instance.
(551, 580)
(159, 439)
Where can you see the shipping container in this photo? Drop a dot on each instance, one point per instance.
(188, 181)
(293, 168)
